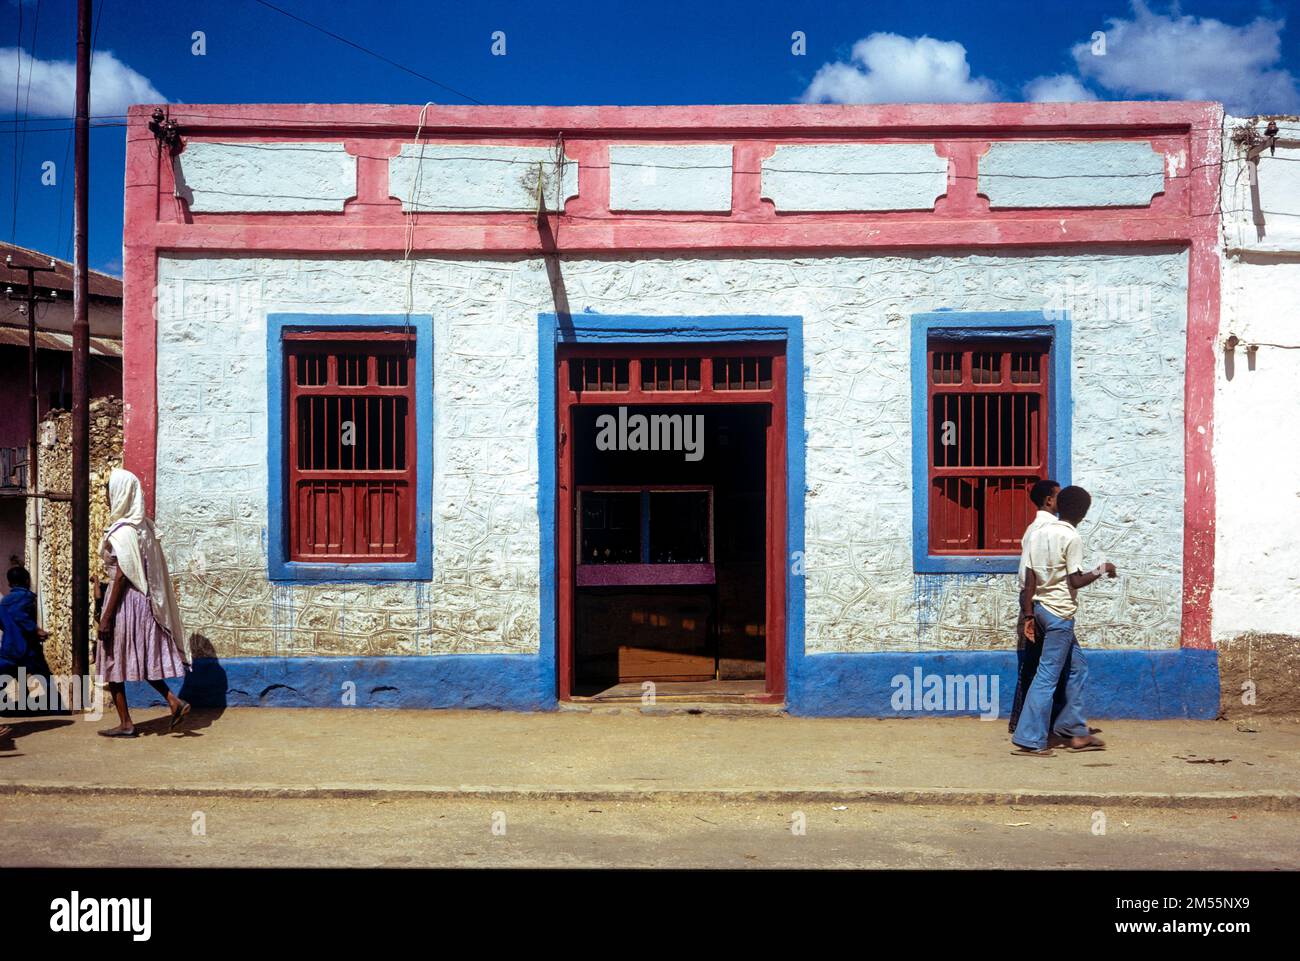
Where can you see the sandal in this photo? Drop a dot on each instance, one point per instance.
(116, 732)
(177, 714)
(1030, 752)
(1091, 744)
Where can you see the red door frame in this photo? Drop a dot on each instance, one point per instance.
(773, 397)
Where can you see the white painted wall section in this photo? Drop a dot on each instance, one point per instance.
(696, 177)
(266, 177)
(820, 177)
(1257, 395)
(481, 178)
(1068, 173)
(862, 594)
(1261, 201)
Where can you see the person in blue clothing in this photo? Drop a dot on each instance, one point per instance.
(20, 642)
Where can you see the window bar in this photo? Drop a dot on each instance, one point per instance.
(970, 433)
(1036, 433)
(1024, 420)
(948, 404)
(997, 411)
(984, 447)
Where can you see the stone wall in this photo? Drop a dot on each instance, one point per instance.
(55, 577)
(1129, 339)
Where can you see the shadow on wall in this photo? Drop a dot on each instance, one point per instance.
(204, 687)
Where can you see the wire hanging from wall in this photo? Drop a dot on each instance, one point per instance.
(407, 265)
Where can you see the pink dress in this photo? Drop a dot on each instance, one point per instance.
(142, 649)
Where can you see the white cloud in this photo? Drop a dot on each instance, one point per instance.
(888, 68)
(113, 85)
(1057, 88)
(1193, 58)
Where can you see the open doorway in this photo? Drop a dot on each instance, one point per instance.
(670, 567)
(670, 479)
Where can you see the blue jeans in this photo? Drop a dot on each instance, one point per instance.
(1060, 653)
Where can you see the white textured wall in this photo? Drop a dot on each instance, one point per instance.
(1256, 427)
(260, 177)
(861, 592)
(893, 176)
(479, 177)
(1263, 213)
(1070, 173)
(692, 177)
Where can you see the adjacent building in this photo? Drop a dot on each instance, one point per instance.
(20, 521)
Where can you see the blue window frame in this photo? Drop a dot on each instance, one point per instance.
(950, 326)
(279, 566)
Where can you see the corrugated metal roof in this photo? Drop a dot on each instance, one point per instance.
(17, 337)
(101, 284)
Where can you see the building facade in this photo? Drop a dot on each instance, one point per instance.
(1256, 628)
(509, 406)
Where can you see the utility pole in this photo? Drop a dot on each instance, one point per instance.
(81, 357)
(31, 298)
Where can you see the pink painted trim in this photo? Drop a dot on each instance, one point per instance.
(1140, 118)
(139, 321)
(1203, 302)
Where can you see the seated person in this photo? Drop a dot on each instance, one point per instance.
(20, 642)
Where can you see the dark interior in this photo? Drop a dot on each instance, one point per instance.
(672, 632)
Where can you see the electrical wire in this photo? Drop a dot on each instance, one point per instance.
(407, 263)
(27, 102)
(63, 180)
(18, 85)
(367, 50)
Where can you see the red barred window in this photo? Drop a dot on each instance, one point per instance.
(352, 451)
(988, 442)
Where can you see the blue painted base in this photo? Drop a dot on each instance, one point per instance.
(511, 682)
(1121, 684)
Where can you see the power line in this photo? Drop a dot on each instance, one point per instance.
(27, 102)
(18, 85)
(367, 50)
(67, 148)
(93, 126)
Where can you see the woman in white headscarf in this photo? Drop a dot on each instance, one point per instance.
(140, 632)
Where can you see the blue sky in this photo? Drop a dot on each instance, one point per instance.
(600, 51)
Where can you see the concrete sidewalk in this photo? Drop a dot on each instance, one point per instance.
(265, 752)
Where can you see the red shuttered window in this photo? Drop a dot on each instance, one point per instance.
(988, 442)
(352, 451)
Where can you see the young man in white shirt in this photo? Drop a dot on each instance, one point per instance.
(1049, 598)
(1043, 495)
